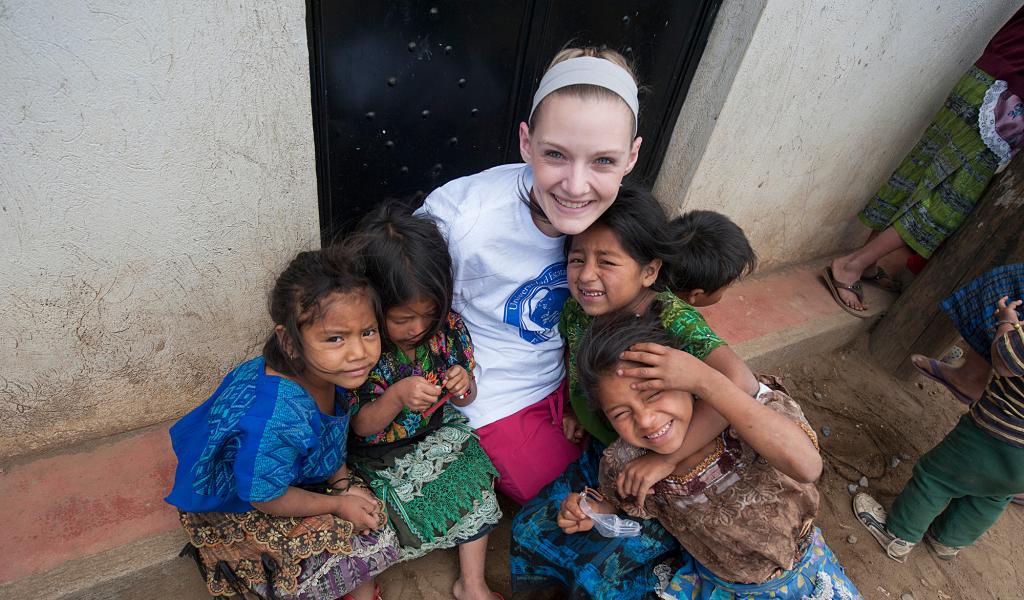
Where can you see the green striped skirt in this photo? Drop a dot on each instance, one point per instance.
(939, 182)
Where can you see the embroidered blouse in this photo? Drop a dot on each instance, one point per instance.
(254, 437)
(736, 514)
(450, 346)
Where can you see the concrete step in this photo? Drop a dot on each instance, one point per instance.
(771, 318)
(110, 536)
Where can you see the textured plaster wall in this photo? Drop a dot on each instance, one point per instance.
(828, 98)
(156, 170)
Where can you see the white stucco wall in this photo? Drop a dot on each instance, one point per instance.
(826, 101)
(156, 170)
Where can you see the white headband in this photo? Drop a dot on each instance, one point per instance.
(589, 70)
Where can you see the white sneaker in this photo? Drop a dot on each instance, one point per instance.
(942, 551)
(872, 516)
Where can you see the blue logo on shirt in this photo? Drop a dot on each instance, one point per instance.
(536, 306)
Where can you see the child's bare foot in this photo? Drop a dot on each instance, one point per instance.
(845, 272)
(965, 384)
(472, 590)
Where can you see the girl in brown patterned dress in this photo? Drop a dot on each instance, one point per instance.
(744, 505)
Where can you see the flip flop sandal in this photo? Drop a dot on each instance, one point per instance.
(894, 284)
(935, 374)
(855, 287)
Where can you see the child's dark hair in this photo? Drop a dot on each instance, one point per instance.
(406, 258)
(607, 338)
(297, 301)
(639, 222)
(711, 252)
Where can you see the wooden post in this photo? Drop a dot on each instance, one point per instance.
(992, 235)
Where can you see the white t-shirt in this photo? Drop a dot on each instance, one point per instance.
(510, 285)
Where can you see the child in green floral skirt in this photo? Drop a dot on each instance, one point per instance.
(411, 444)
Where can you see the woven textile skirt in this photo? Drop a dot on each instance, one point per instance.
(972, 307)
(438, 487)
(818, 576)
(254, 555)
(939, 182)
(587, 565)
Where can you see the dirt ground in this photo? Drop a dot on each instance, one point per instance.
(871, 418)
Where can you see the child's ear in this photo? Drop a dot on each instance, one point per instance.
(692, 297)
(284, 341)
(650, 272)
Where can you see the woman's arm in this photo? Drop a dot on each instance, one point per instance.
(783, 443)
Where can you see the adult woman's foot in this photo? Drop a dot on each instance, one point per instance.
(883, 279)
(946, 376)
(845, 277)
(838, 288)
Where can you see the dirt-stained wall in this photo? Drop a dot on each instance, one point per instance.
(156, 170)
(826, 100)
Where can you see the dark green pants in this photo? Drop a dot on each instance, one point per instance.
(959, 488)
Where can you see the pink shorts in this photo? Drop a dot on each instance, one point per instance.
(528, 448)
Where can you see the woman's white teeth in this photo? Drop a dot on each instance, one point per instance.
(660, 432)
(570, 204)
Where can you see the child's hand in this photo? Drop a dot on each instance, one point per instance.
(571, 428)
(361, 508)
(639, 475)
(1007, 313)
(458, 381)
(666, 368)
(571, 518)
(416, 393)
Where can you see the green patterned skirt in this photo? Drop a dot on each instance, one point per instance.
(438, 485)
(939, 182)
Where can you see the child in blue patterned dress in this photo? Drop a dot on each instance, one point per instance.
(410, 442)
(262, 486)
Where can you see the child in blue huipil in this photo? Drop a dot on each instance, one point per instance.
(262, 487)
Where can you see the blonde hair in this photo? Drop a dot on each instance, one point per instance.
(585, 91)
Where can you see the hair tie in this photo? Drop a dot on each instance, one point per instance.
(590, 70)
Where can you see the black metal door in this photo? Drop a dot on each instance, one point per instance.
(408, 95)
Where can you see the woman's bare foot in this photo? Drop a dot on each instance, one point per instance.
(879, 277)
(472, 590)
(846, 272)
(848, 269)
